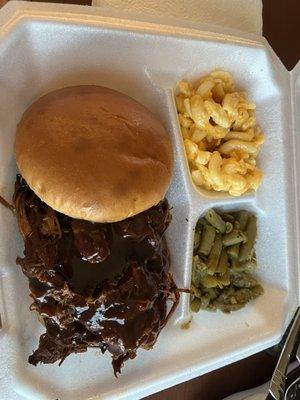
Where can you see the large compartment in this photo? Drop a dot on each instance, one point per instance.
(42, 49)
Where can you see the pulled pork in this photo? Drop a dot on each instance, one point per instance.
(95, 285)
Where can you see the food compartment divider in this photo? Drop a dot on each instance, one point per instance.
(180, 202)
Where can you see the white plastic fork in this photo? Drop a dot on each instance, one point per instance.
(277, 384)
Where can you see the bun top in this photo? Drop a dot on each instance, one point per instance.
(94, 153)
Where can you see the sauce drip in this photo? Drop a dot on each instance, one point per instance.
(6, 204)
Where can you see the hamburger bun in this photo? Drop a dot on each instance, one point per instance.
(93, 153)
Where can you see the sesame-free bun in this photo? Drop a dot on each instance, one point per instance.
(94, 153)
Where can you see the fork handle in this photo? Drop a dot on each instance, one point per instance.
(279, 376)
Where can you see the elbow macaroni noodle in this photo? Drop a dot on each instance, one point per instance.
(220, 134)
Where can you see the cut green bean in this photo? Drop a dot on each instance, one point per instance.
(205, 300)
(207, 240)
(228, 217)
(195, 292)
(214, 255)
(256, 291)
(233, 251)
(198, 263)
(198, 270)
(250, 265)
(244, 266)
(223, 263)
(196, 277)
(210, 281)
(201, 222)
(234, 237)
(242, 218)
(215, 220)
(236, 225)
(246, 248)
(225, 279)
(186, 325)
(237, 266)
(229, 227)
(243, 280)
(195, 305)
(197, 239)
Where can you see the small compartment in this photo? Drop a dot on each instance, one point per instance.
(259, 315)
(213, 254)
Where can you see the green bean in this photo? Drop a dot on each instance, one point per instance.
(223, 263)
(195, 305)
(245, 266)
(198, 270)
(199, 264)
(201, 222)
(237, 266)
(207, 239)
(197, 239)
(246, 248)
(225, 279)
(213, 294)
(243, 280)
(228, 217)
(229, 227)
(241, 222)
(215, 220)
(233, 251)
(236, 225)
(186, 325)
(242, 218)
(195, 292)
(210, 281)
(196, 277)
(250, 265)
(205, 300)
(256, 291)
(234, 237)
(214, 255)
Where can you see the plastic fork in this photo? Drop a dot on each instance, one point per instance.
(277, 385)
(298, 354)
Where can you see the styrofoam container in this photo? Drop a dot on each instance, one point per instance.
(45, 47)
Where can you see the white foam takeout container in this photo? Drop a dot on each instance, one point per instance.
(44, 47)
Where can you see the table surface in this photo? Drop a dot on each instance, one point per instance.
(281, 27)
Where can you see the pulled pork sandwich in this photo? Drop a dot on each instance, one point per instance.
(94, 166)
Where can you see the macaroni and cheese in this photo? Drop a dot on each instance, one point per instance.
(220, 134)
